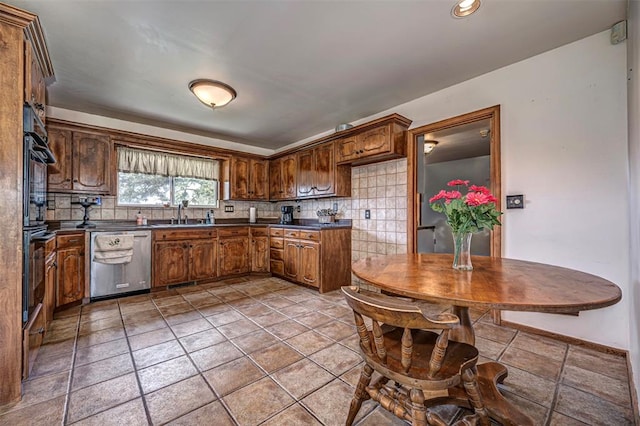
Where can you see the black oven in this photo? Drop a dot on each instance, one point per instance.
(37, 156)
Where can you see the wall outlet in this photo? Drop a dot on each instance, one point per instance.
(298, 209)
(335, 207)
(228, 209)
(367, 214)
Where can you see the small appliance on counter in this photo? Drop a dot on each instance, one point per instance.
(286, 218)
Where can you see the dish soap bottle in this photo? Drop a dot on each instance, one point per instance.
(139, 218)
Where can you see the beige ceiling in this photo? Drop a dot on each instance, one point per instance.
(299, 67)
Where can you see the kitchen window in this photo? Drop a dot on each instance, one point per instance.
(150, 178)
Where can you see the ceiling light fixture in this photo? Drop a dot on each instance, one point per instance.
(465, 8)
(429, 145)
(212, 93)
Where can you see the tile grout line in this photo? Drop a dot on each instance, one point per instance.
(67, 399)
(554, 400)
(135, 370)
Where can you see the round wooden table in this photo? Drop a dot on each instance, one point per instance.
(494, 283)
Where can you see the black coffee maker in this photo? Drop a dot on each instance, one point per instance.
(286, 218)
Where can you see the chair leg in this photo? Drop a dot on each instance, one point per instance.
(469, 377)
(359, 396)
(418, 410)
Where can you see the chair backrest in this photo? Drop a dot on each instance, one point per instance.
(397, 313)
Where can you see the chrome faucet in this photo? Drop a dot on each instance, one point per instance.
(182, 205)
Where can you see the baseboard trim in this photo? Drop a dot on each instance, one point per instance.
(634, 394)
(568, 339)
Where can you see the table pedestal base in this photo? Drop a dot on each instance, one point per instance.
(489, 375)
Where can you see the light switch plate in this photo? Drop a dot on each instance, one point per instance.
(228, 209)
(515, 201)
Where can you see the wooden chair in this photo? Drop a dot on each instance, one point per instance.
(401, 348)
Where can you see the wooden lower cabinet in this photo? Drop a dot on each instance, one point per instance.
(181, 256)
(50, 280)
(260, 250)
(317, 258)
(33, 335)
(203, 259)
(70, 273)
(234, 255)
(171, 263)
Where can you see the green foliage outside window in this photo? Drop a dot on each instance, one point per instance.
(156, 190)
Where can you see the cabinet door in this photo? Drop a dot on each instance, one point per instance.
(203, 259)
(259, 183)
(59, 174)
(91, 163)
(50, 270)
(234, 256)
(288, 176)
(275, 180)
(239, 184)
(34, 82)
(291, 259)
(305, 173)
(374, 141)
(310, 263)
(325, 170)
(346, 149)
(70, 275)
(259, 254)
(170, 262)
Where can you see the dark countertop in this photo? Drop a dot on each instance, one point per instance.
(104, 225)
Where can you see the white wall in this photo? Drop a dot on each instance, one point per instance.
(564, 145)
(634, 162)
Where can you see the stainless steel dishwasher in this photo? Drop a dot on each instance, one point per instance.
(117, 279)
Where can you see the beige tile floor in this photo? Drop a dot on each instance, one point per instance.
(263, 351)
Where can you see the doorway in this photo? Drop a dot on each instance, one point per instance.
(464, 147)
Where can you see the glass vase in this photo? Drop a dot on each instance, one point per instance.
(462, 251)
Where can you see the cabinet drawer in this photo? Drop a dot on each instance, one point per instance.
(310, 235)
(194, 234)
(277, 267)
(291, 233)
(276, 232)
(277, 243)
(70, 240)
(260, 232)
(276, 254)
(233, 232)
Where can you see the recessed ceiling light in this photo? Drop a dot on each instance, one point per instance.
(465, 8)
(212, 93)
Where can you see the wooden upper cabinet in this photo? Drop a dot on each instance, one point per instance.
(83, 161)
(380, 140)
(324, 170)
(318, 175)
(259, 179)
(34, 85)
(91, 163)
(282, 178)
(59, 174)
(249, 179)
